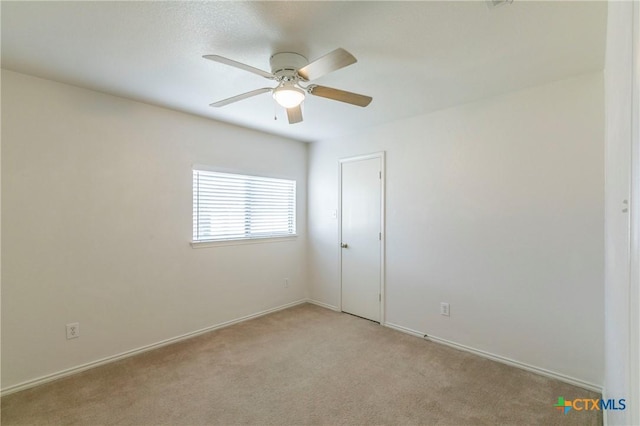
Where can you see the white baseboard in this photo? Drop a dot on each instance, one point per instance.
(74, 370)
(404, 330)
(524, 366)
(324, 305)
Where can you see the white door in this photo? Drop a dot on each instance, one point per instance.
(361, 216)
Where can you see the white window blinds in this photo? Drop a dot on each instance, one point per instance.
(234, 207)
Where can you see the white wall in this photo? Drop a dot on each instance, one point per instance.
(621, 291)
(96, 224)
(495, 207)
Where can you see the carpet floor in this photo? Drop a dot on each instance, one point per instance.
(303, 365)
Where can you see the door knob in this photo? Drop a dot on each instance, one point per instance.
(344, 245)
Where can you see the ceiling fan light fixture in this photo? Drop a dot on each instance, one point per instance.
(290, 69)
(288, 96)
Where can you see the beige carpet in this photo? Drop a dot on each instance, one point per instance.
(304, 365)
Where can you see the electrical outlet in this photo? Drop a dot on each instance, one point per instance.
(444, 309)
(286, 283)
(73, 330)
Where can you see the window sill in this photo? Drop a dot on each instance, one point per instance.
(223, 243)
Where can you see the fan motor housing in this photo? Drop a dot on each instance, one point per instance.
(285, 65)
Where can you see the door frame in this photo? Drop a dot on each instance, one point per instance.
(382, 156)
(634, 222)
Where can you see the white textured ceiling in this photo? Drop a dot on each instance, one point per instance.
(413, 57)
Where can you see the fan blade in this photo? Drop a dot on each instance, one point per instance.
(294, 114)
(332, 61)
(227, 61)
(240, 97)
(340, 95)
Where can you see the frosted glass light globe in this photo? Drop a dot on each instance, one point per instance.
(288, 96)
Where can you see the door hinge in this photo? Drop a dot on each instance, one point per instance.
(379, 175)
(379, 297)
(380, 236)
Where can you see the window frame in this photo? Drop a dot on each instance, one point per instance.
(247, 239)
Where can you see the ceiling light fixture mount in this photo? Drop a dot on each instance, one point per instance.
(284, 67)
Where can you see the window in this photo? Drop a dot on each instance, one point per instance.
(238, 207)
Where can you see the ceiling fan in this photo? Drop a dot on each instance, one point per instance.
(290, 70)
